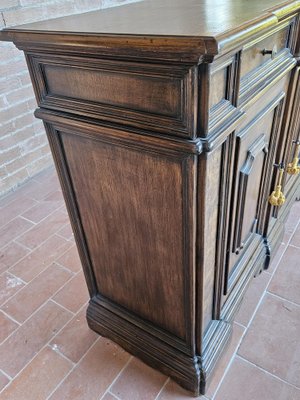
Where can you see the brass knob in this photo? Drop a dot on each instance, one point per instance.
(273, 52)
(277, 198)
(293, 168)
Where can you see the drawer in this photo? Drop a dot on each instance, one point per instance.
(256, 54)
(145, 96)
(259, 72)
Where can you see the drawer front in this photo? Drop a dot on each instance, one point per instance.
(264, 50)
(149, 97)
(258, 68)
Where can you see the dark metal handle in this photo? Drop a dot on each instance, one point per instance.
(272, 52)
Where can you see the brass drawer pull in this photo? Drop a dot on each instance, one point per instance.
(273, 52)
(294, 167)
(277, 198)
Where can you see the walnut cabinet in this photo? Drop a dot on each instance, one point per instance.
(171, 123)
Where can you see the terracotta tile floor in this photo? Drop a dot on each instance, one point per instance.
(48, 352)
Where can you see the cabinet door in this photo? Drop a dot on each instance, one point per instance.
(254, 154)
(286, 152)
(292, 132)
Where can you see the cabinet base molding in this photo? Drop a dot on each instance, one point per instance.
(145, 342)
(148, 344)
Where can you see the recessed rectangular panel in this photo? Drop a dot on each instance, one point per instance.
(253, 167)
(148, 97)
(153, 95)
(132, 210)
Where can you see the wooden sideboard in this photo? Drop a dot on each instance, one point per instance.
(171, 122)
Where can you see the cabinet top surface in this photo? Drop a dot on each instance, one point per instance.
(211, 21)
(202, 18)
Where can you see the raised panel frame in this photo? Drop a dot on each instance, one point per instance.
(254, 150)
(226, 283)
(188, 162)
(182, 123)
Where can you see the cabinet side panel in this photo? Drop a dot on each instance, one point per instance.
(132, 209)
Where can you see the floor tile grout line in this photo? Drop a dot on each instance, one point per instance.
(280, 258)
(74, 245)
(14, 320)
(21, 245)
(162, 388)
(29, 220)
(24, 184)
(14, 294)
(15, 276)
(19, 215)
(60, 330)
(15, 239)
(43, 220)
(57, 351)
(253, 316)
(27, 283)
(21, 259)
(72, 369)
(38, 309)
(117, 376)
(7, 376)
(113, 395)
(64, 268)
(45, 172)
(72, 277)
(69, 240)
(47, 265)
(267, 372)
(22, 369)
(23, 233)
(45, 345)
(267, 272)
(248, 325)
(271, 277)
(41, 205)
(258, 305)
(239, 324)
(295, 247)
(293, 233)
(50, 298)
(54, 301)
(282, 298)
(229, 364)
(53, 295)
(286, 245)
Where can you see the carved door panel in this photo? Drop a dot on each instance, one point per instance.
(254, 156)
(287, 152)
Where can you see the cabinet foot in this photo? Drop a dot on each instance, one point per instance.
(139, 339)
(147, 343)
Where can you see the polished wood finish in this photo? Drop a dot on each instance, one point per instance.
(165, 119)
(152, 97)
